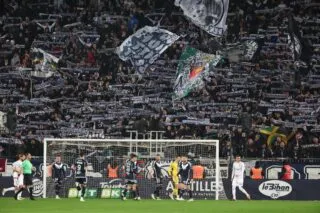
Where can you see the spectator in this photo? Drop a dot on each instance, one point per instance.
(265, 152)
(281, 150)
(239, 97)
(295, 145)
(113, 170)
(286, 172)
(315, 151)
(227, 151)
(198, 171)
(256, 172)
(133, 23)
(251, 149)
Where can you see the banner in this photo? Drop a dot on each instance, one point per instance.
(301, 50)
(145, 46)
(307, 170)
(209, 15)
(277, 189)
(193, 67)
(103, 187)
(202, 189)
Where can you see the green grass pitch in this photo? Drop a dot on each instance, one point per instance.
(9, 205)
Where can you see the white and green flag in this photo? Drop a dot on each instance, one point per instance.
(193, 67)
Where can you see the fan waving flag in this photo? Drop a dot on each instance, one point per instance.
(299, 46)
(193, 67)
(273, 132)
(210, 15)
(145, 46)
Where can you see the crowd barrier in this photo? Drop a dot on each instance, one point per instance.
(203, 189)
(277, 189)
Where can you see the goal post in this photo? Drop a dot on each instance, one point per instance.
(103, 152)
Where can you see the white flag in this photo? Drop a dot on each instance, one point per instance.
(145, 46)
(210, 15)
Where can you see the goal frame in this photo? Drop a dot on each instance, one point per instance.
(45, 143)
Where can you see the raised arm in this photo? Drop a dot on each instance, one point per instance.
(84, 43)
(52, 26)
(40, 25)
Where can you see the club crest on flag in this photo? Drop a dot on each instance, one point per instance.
(193, 67)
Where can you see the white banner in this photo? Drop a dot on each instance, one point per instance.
(210, 15)
(145, 46)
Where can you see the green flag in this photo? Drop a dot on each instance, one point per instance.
(193, 67)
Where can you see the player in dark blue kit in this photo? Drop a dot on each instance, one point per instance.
(185, 175)
(58, 174)
(131, 169)
(80, 175)
(156, 165)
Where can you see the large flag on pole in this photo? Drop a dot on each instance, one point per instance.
(301, 50)
(210, 15)
(145, 46)
(193, 67)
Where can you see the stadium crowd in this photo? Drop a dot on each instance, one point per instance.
(95, 94)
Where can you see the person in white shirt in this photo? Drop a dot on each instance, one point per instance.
(237, 177)
(17, 176)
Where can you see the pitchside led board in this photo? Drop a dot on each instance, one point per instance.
(112, 193)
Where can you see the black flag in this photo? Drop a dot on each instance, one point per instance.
(300, 48)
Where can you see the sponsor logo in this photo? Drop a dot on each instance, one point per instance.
(92, 193)
(111, 193)
(73, 193)
(37, 187)
(205, 188)
(275, 188)
(106, 193)
(115, 183)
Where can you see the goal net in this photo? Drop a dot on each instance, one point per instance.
(106, 158)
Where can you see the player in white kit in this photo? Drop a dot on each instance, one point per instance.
(17, 176)
(237, 177)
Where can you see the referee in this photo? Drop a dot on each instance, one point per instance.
(27, 173)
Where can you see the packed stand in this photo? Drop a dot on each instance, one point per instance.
(93, 94)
